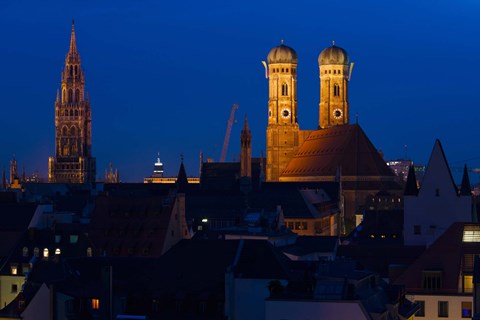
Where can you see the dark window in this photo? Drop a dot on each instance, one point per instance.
(443, 309)
(437, 192)
(421, 311)
(432, 280)
(284, 89)
(417, 229)
(14, 288)
(336, 90)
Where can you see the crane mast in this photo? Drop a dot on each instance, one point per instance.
(227, 134)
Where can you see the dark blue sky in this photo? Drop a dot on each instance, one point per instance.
(162, 75)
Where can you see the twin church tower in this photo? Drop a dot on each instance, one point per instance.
(74, 163)
(283, 132)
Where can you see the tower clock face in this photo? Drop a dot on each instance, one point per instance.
(337, 113)
(285, 113)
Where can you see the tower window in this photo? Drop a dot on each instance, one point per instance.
(339, 72)
(284, 89)
(287, 69)
(334, 71)
(336, 90)
(76, 70)
(283, 70)
(71, 71)
(70, 95)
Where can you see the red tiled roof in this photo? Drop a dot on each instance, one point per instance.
(346, 146)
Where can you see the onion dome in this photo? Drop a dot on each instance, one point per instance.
(333, 55)
(282, 54)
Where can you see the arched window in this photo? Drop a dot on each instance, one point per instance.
(71, 113)
(76, 113)
(45, 253)
(64, 92)
(71, 71)
(36, 251)
(76, 70)
(284, 89)
(77, 95)
(70, 95)
(25, 252)
(72, 131)
(336, 90)
(58, 251)
(64, 131)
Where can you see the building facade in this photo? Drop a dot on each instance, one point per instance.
(73, 161)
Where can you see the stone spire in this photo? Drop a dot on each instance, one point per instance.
(246, 151)
(411, 188)
(465, 188)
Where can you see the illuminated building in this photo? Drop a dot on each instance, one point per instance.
(157, 176)
(337, 151)
(73, 161)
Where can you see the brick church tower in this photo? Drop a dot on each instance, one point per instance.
(73, 161)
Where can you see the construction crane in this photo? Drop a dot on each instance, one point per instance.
(227, 134)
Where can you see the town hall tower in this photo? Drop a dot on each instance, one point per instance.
(73, 161)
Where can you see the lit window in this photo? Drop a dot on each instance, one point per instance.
(468, 284)
(57, 251)
(471, 234)
(466, 309)
(45, 253)
(13, 269)
(89, 252)
(443, 309)
(95, 303)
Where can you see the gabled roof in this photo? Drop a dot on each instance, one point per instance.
(131, 225)
(437, 173)
(346, 146)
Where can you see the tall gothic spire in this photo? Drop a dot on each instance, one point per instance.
(73, 40)
(73, 57)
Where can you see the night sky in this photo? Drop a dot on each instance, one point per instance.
(162, 76)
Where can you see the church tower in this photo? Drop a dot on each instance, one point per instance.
(333, 63)
(282, 129)
(73, 162)
(246, 151)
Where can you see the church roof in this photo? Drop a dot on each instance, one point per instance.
(344, 146)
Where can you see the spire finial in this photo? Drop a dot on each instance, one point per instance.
(333, 43)
(73, 41)
(282, 42)
(356, 118)
(181, 157)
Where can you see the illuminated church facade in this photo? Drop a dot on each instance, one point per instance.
(73, 161)
(337, 150)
